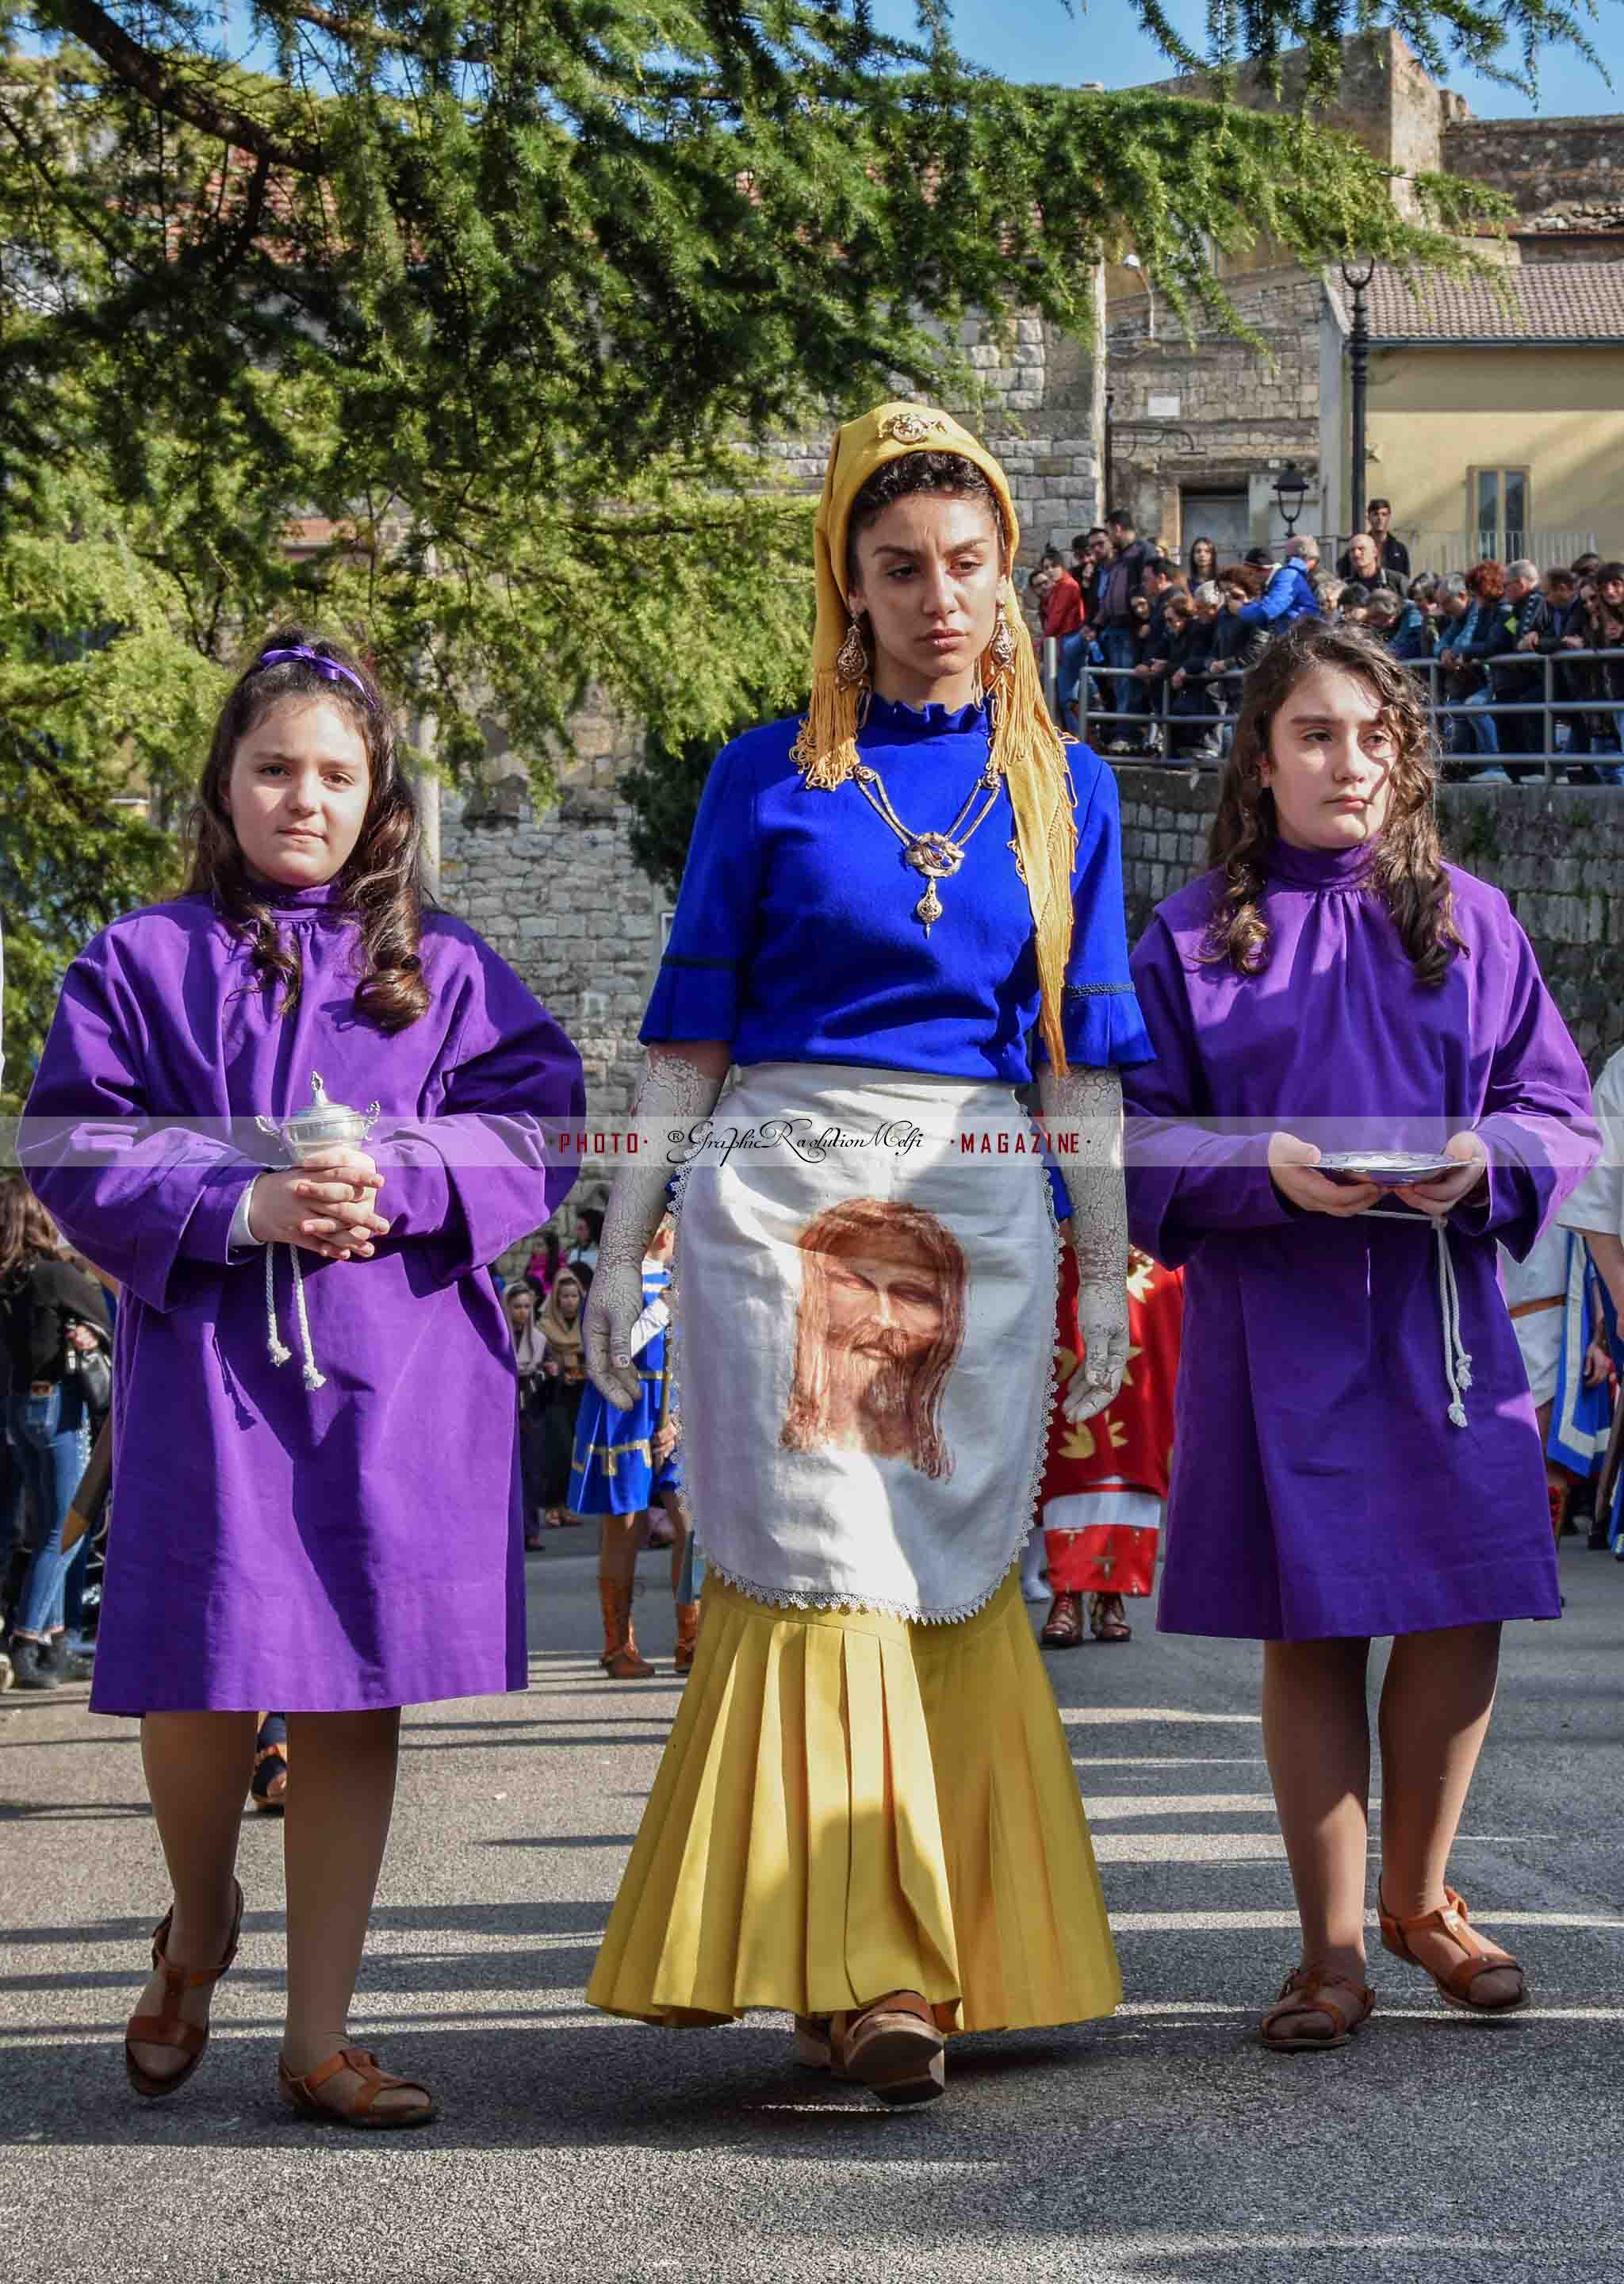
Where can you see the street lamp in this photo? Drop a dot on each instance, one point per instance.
(1290, 486)
(1356, 276)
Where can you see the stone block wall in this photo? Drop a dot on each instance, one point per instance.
(1213, 413)
(1038, 416)
(1569, 164)
(1559, 857)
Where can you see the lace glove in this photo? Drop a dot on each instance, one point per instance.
(674, 1092)
(1083, 1113)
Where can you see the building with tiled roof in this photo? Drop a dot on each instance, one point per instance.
(1577, 303)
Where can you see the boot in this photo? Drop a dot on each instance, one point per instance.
(32, 1665)
(620, 1659)
(687, 1636)
(609, 1604)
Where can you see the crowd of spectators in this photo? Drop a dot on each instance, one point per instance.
(1156, 646)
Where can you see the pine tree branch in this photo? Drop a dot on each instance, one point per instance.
(169, 92)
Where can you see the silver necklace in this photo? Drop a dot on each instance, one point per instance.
(937, 856)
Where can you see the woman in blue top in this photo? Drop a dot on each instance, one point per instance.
(867, 1813)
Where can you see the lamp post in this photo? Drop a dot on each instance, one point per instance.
(1356, 276)
(1290, 486)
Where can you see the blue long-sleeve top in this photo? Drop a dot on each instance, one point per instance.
(794, 938)
(1289, 595)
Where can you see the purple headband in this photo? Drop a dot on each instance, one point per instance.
(328, 669)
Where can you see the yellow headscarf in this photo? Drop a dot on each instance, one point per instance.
(1026, 748)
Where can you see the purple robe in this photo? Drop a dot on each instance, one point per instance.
(323, 1550)
(1319, 1485)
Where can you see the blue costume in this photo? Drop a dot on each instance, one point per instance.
(795, 938)
(614, 1470)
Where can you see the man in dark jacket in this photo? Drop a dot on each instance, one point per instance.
(1565, 632)
(1116, 629)
(1392, 555)
(1513, 675)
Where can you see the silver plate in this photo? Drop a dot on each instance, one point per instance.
(1389, 1169)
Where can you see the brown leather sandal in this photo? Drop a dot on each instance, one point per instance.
(170, 2029)
(304, 2093)
(893, 2047)
(1454, 1988)
(1063, 1627)
(1304, 1996)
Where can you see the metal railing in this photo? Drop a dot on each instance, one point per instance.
(1476, 717)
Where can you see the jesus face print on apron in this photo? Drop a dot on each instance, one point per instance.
(878, 1331)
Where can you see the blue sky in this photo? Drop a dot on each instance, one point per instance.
(1041, 40)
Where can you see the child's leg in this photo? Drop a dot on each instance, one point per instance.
(1435, 1707)
(618, 1538)
(1316, 1733)
(333, 1847)
(197, 1767)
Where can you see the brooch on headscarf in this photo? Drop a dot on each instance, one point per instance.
(908, 427)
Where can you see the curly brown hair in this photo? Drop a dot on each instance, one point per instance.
(1408, 867)
(1243, 575)
(1487, 580)
(949, 475)
(381, 883)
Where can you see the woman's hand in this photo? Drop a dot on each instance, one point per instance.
(1436, 1198)
(663, 1443)
(1290, 1168)
(1597, 1364)
(320, 1213)
(1102, 1325)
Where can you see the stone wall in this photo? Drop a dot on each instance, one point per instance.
(1557, 856)
(1213, 413)
(1386, 99)
(1041, 416)
(560, 896)
(1542, 164)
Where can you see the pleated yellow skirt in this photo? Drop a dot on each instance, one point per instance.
(850, 1804)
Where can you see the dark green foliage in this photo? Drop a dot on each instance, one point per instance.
(507, 304)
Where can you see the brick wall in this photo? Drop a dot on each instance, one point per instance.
(1558, 859)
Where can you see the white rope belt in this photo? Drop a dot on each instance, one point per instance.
(280, 1353)
(1456, 1360)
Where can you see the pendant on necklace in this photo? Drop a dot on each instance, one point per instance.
(938, 858)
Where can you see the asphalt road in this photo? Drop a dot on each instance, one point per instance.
(1162, 2144)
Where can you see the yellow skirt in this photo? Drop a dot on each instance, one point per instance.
(851, 1804)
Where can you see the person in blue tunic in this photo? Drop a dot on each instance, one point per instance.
(867, 1814)
(625, 1465)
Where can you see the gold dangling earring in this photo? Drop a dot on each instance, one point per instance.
(851, 664)
(1001, 649)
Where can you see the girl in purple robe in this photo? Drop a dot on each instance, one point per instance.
(1356, 1451)
(302, 1521)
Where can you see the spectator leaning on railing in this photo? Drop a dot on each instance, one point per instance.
(1606, 628)
(1290, 592)
(1401, 624)
(1566, 629)
(1514, 677)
